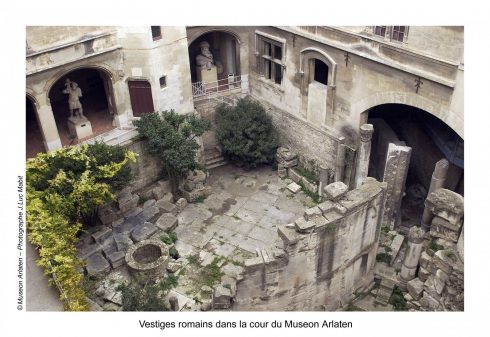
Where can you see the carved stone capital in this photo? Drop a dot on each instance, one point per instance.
(366, 132)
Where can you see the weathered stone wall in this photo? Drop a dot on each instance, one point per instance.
(325, 256)
(309, 141)
(147, 168)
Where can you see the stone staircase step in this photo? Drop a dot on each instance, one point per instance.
(218, 164)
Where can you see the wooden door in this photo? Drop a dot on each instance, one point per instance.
(141, 98)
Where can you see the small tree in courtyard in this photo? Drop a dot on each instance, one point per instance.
(172, 137)
(246, 133)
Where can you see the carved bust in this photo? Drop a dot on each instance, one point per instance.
(205, 59)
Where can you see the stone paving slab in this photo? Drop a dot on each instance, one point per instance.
(264, 197)
(249, 215)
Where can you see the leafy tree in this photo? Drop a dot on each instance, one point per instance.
(63, 188)
(172, 137)
(246, 133)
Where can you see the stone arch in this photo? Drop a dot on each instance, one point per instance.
(410, 99)
(35, 137)
(105, 69)
(201, 32)
(315, 53)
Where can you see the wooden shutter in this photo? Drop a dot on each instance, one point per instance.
(141, 98)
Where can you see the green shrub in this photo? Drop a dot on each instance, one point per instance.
(397, 300)
(169, 238)
(434, 246)
(246, 133)
(64, 189)
(384, 257)
(174, 254)
(211, 274)
(142, 298)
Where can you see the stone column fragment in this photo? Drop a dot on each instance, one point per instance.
(395, 176)
(412, 255)
(340, 163)
(439, 175)
(323, 179)
(366, 134)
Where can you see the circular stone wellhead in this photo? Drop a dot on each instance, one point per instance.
(147, 260)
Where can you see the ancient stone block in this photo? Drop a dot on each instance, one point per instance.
(97, 265)
(86, 251)
(288, 235)
(116, 259)
(221, 298)
(446, 204)
(303, 226)
(424, 260)
(122, 241)
(415, 288)
(312, 212)
(423, 274)
(181, 204)
(173, 267)
(133, 212)
(429, 302)
(127, 203)
(285, 154)
(167, 222)
(442, 228)
(293, 187)
(166, 207)
(335, 191)
(102, 234)
(143, 231)
(149, 203)
(444, 260)
(129, 224)
(313, 188)
(109, 246)
(149, 213)
(295, 176)
(107, 214)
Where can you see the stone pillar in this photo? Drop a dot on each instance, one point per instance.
(340, 163)
(47, 124)
(439, 175)
(366, 133)
(323, 179)
(412, 255)
(395, 176)
(121, 103)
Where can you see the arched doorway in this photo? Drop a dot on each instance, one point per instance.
(430, 139)
(96, 100)
(226, 56)
(34, 136)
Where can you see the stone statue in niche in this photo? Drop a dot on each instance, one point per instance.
(205, 59)
(74, 92)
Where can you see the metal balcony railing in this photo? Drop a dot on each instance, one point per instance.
(232, 83)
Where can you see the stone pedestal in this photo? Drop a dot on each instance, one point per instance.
(208, 76)
(412, 255)
(366, 133)
(79, 127)
(445, 204)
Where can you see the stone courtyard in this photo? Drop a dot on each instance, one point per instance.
(233, 224)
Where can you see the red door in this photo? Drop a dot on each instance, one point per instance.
(141, 98)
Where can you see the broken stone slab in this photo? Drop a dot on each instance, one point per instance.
(295, 176)
(133, 212)
(233, 271)
(230, 283)
(143, 232)
(86, 251)
(102, 234)
(97, 265)
(150, 212)
(116, 259)
(167, 222)
(285, 154)
(444, 260)
(395, 246)
(443, 229)
(312, 213)
(335, 191)
(123, 242)
(221, 298)
(425, 259)
(415, 288)
(149, 203)
(304, 226)
(288, 234)
(129, 224)
(166, 207)
(109, 246)
(293, 187)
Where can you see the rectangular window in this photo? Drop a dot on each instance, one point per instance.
(156, 32)
(399, 33)
(380, 30)
(270, 62)
(163, 81)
